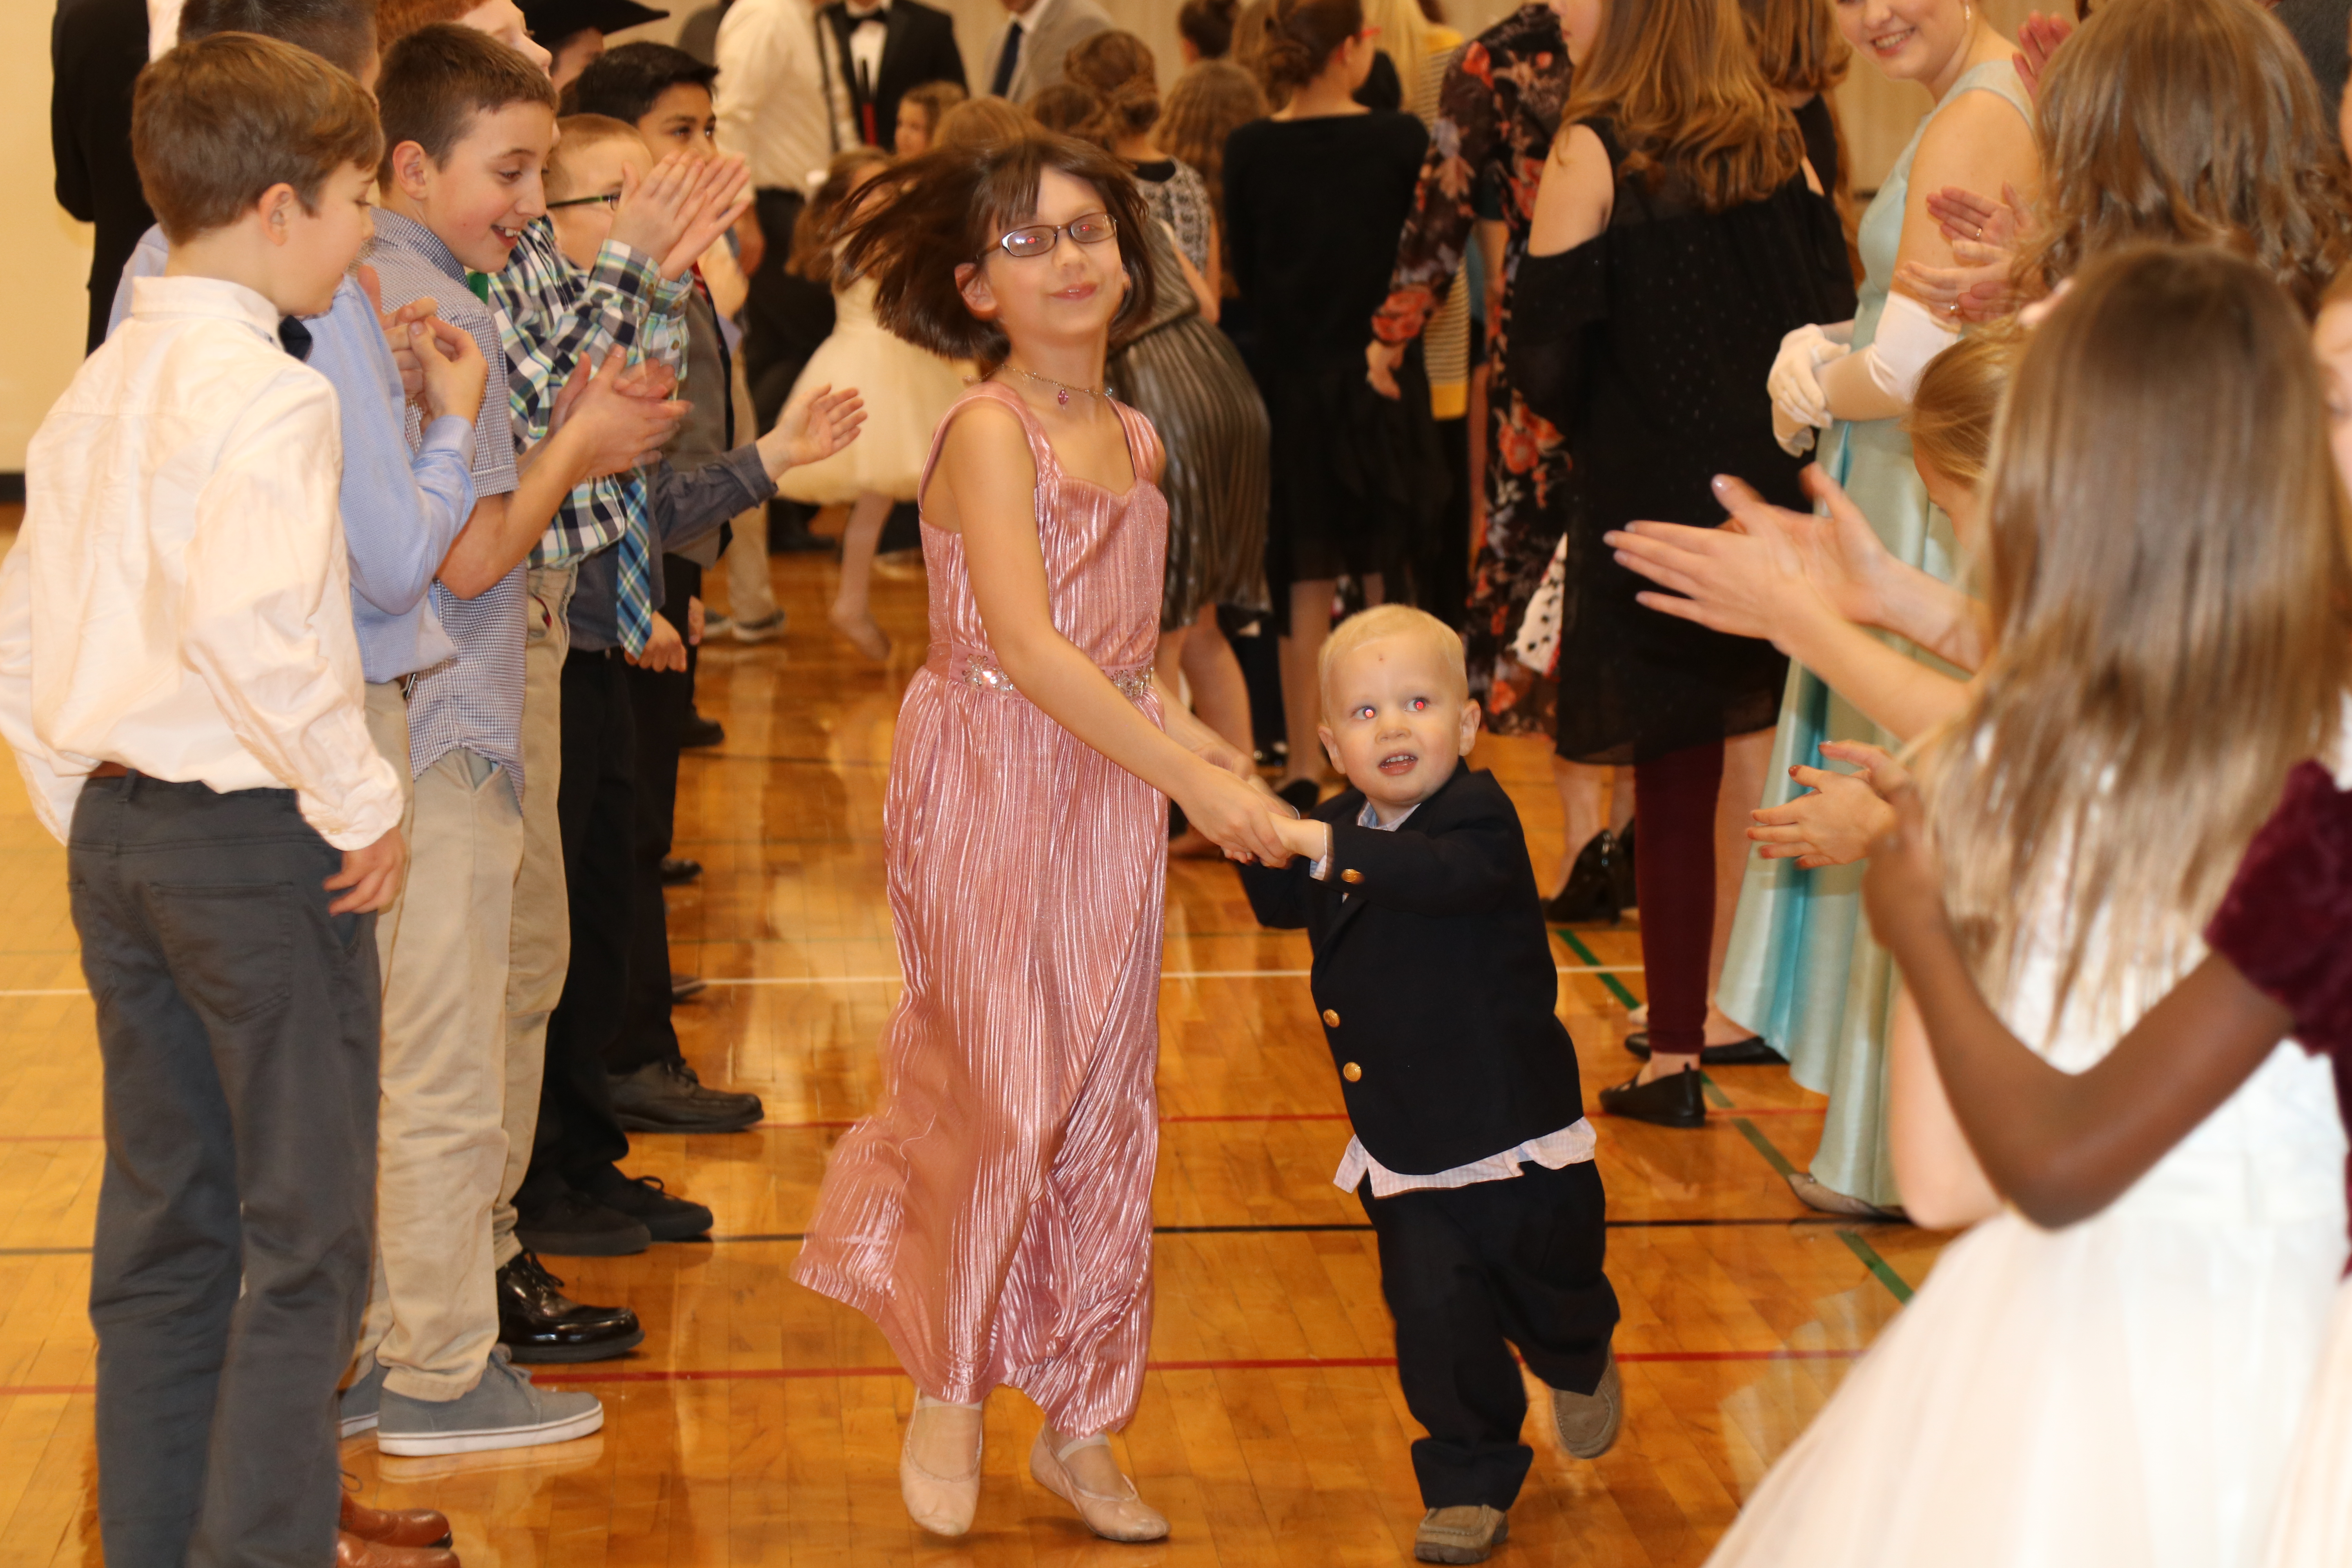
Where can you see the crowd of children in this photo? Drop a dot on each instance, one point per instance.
(347, 640)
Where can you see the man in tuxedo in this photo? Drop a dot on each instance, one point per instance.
(1037, 37)
(887, 47)
(96, 49)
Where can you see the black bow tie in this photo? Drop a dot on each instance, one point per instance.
(294, 337)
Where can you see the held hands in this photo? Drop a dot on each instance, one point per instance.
(664, 649)
(813, 429)
(450, 364)
(1381, 361)
(1794, 384)
(1834, 824)
(621, 412)
(1303, 836)
(373, 874)
(1239, 818)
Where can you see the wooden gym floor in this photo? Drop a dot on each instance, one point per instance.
(760, 1423)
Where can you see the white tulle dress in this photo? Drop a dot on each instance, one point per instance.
(908, 391)
(2128, 1392)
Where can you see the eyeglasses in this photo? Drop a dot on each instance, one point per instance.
(1037, 239)
(609, 199)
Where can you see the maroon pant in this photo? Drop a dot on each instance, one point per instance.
(1674, 803)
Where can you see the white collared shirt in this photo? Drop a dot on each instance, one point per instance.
(783, 104)
(179, 599)
(865, 44)
(1571, 1145)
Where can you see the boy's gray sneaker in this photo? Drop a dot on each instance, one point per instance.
(1588, 1422)
(1465, 1533)
(502, 1411)
(359, 1405)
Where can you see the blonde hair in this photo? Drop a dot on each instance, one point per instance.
(1952, 415)
(1383, 623)
(2192, 122)
(580, 132)
(1678, 82)
(977, 121)
(2169, 589)
(1403, 36)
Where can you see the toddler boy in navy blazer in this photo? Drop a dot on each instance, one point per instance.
(1434, 980)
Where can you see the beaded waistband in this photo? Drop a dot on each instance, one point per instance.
(1132, 680)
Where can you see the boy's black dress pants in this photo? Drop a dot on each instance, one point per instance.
(238, 1025)
(1469, 1272)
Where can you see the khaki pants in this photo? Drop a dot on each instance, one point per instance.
(539, 947)
(432, 1314)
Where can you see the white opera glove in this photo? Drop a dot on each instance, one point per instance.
(1795, 383)
(1908, 338)
(1795, 438)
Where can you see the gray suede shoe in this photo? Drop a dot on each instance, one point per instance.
(358, 1405)
(1462, 1534)
(502, 1411)
(1588, 1422)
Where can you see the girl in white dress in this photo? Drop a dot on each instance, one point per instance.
(2165, 531)
(908, 391)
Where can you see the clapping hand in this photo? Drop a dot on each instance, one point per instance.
(622, 411)
(1834, 822)
(813, 429)
(722, 198)
(395, 325)
(1904, 887)
(1984, 236)
(2037, 41)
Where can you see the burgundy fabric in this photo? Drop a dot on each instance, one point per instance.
(2286, 921)
(1674, 805)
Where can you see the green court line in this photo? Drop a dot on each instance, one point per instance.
(1879, 1267)
(1576, 944)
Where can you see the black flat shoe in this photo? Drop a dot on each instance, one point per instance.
(676, 872)
(1753, 1051)
(572, 1226)
(1674, 1100)
(699, 731)
(537, 1322)
(667, 1096)
(1591, 890)
(1302, 796)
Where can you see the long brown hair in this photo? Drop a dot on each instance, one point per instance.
(1678, 82)
(1207, 104)
(1797, 43)
(2169, 588)
(929, 215)
(2193, 121)
(1299, 37)
(1119, 70)
(817, 228)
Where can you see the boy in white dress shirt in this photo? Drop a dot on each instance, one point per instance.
(179, 681)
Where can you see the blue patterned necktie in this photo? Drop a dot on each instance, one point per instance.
(636, 606)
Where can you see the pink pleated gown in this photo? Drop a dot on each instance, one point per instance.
(993, 1215)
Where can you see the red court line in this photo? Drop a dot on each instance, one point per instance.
(554, 1376)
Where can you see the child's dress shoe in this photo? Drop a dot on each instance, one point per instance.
(1114, 1518)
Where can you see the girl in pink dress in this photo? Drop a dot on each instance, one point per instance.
(993, 1215)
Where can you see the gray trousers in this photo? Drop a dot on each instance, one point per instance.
(238, 1023)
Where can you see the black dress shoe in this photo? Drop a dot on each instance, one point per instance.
(1623, 870)
(676, 872)
(665, 1097)
(1674, 1100)
(1753, 1051)
(571, 1225)
(537, 1322)
(699, 732)
(1592, 893)
(686, 987)
(1301, 795)
(644, 1199)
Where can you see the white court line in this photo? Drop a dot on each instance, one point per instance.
(895, 979)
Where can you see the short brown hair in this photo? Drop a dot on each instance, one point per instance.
(437, 79)
(977, 121)
(216, 122)
(396, 19)
(1119, 70)
(580, 132)
(340, 32)
(948, 208)
(935, 98)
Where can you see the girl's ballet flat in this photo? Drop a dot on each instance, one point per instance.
(942, 1504)
(1127, 1517)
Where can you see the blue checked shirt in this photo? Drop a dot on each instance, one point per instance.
(558, 318)
(474, 701)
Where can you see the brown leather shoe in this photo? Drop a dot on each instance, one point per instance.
(394, 1526)
(351, 1551)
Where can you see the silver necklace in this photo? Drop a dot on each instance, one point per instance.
(1060, 392)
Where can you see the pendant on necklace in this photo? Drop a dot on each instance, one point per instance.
(1063, 396)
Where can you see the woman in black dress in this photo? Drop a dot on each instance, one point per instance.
(1680, 232)
(1315, 198)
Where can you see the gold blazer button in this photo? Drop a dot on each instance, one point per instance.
(1330, 1018)
(1352, 876)
(1352, 1073)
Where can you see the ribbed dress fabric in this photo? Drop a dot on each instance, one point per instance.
(993, 1216)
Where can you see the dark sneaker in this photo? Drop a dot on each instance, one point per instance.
(1753, 1051)
(699, 731)
(665, 1097)
(684, 987)
(767, 629)
(645, 1200)
(678, 872)
(1588, 1422)
(1462, 1534)
(572, 1226)
(502, 1411)
(537, 1322)
(1674, 1100)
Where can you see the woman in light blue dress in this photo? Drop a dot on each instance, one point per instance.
(1801, 970)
